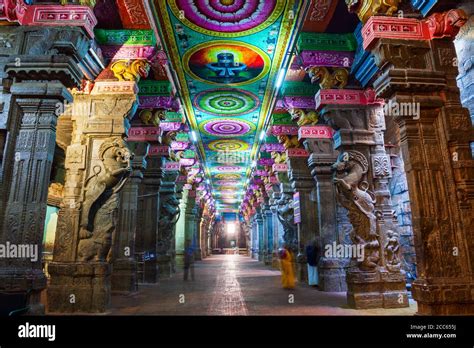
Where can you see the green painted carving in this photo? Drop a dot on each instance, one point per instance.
(172, 116)
(125, 37)
(281, 119)
(271, 139)
(149, 87)
(326, 42)
(182, 136)
(297, 88)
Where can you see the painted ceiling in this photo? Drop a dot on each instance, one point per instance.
(226, 56)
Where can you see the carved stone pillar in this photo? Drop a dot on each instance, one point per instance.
(260, 234)
(331, 270)
(124, 272)
(254, 234)
(303, 185)
(98, 163)
(37, 66)
(277, 226)
(169, 214)
(438, 160)
(268, 234)
(190, 221)
(375, 278)
(148, 217)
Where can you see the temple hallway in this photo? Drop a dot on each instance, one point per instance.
(236, 285)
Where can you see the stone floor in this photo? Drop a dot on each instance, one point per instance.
(236, 285)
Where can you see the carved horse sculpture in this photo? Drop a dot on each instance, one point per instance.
(100, 199)
(350, 169)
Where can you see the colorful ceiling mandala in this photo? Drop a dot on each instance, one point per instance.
(226, 63)
(226, 55)
(226, 102)
(227, 127)
(227, 18)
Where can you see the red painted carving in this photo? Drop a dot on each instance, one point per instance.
(158, 151)
(280, 167)
(171, 166)
(315, 132)
(144, 134)
(345, 97)
(133, 14)
(48, 15)
(438, 25)
(296, 152)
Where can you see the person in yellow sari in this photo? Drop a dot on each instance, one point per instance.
(286, 266)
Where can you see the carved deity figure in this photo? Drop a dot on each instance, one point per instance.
(352, 192)
(285, 214)
(99, 207)
(392, 251)
(169, 216)
(302, 118)
(130, 70)
(368, 8)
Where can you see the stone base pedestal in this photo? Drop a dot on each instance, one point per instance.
(124, 276)
(165, 268)
(377, 289)
(198, 254)
(332, 274)
(29, 283)
(443, 299)
(268, 259)
(79, 287)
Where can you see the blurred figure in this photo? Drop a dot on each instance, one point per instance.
(286, 265)
(313, 253)
(188, 260)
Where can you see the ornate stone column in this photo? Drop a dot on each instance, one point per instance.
(170, 212)
(268, 233)
(98, 163)
(318, 142)
(260, 234)
(419, 71)
(375, 278)
(37, 68)
(148, 215)
(124, 264)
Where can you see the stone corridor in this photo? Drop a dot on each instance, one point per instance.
(236, 285)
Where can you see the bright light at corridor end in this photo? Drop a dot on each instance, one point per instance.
(230, 229)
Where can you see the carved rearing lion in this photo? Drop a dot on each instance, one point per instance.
(99, 203)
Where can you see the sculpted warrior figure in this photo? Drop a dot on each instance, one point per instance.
(286, 216)
(99, 207)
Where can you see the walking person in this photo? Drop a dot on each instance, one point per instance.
(313, 253)
(286, 266)
(188, 260)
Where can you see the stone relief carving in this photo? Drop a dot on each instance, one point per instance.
(285, 214)
(353, 194)
(99, 207)
(130, 70)
(288, 141)
(392, 251)
(446, 24)
(169, 216)
(302, 118)
(327, 80)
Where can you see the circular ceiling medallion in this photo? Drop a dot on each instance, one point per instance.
(226, 102)
(227, 182)
(228, 169)
(227, 18)
(226, 63)
(227, 176)
(227, 127)
(228, 145)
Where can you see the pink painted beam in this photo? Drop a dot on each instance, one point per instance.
(345, 97)
(315, 132)
(144, 134)
(48, 15)
(292, 153)
(284, 130)
(158, 151)
(334, 59)
(113, 52)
